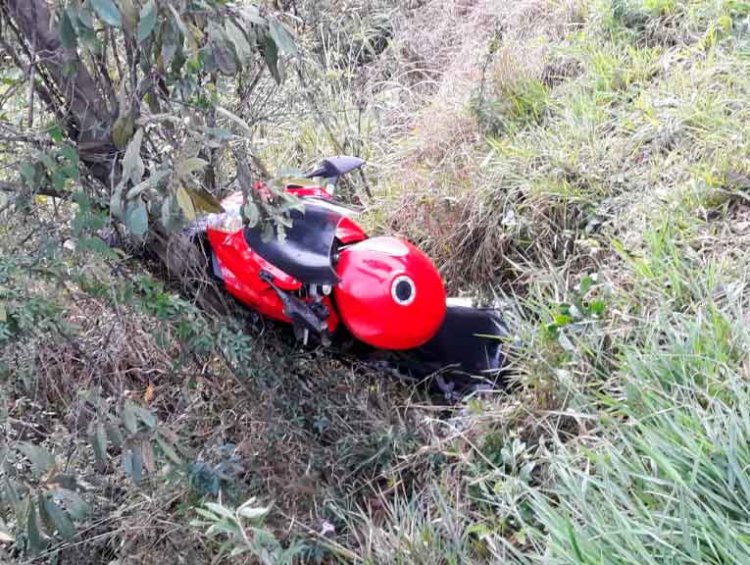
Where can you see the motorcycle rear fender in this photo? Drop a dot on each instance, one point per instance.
(470, 340)
(470, 344)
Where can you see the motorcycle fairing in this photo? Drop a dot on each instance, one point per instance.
(469, 341)
(467, 354)
(306, 253)
(391, 295)
(347, 231)
(239, 268)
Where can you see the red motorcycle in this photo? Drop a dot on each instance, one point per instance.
(330, 281)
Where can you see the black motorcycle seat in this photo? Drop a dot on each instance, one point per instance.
(337, 166)
(306, 253)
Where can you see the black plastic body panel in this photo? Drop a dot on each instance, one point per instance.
(469, 351)
(335, 167)
(470, 341)
(306, 252)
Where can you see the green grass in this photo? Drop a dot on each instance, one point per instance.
(666, 479)
(627, 439)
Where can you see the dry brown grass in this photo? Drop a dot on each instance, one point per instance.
(308, 430)
(438, 197)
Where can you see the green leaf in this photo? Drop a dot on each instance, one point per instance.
(107, 11)
(220, 510)
(225, 60)
(185, 203)
(178, 20)
(101, 440)
(147, 21)
(114, 434)
(238, 39)
(185, 168)
(55, 132)
(137, 465)
(253, 513)
(68, 36)
(268, 232)
(98, 440)
(84, 18)
(11, 493)
(129, 14)
(70, 153)
(74, 504)
(52, 513)
(597, 307)
(586, 283)
(252, 214)
(128, 418)
(41, 460)
(234, 118)
(271, 55)
(32, 529)
(127, 462)
(252, 14)
(132, 164)
(122, 131)
(115, 203)
(229, 527)
(58, 180)
(28, 173)
(145, 416)
(204, 201)
(206, 514)
(562, 320)
(150, 182)
(168, 450)
(282, 38)
(136, 217)
(167, 213)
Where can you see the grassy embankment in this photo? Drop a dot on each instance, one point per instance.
(587, 163)
(584, 162)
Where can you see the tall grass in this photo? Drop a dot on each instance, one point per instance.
(666, 481)
(602, 196)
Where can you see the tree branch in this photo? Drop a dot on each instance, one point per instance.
(8, 187)
(91, 121)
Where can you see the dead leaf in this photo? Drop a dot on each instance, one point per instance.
(204, 201)
(148, 396)
(186, 203)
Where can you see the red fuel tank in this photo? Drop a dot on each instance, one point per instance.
(391, 296)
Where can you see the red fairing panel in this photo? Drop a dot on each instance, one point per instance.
(308, 191)
(349, 232)
(240, 270)
(391, 296)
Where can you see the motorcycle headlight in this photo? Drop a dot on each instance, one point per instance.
(403, 290)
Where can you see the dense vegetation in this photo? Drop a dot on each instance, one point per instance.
(582, 162)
